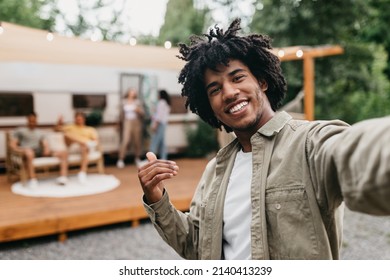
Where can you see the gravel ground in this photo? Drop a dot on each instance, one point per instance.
(365, 237)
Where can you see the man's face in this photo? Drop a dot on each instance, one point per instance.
(79, 119)
(31, 121)
(237, 98)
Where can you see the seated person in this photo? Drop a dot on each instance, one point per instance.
(85, 136)
(32, 143)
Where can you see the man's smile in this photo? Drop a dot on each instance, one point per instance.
(238, 107)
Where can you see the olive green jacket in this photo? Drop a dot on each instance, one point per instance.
(302, 173)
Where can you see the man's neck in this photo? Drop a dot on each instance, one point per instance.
(244, 137)
(245, 142)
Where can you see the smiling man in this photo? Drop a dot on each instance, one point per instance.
(238, 99)
(278, 190)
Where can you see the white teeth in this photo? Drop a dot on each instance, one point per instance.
(238, 107)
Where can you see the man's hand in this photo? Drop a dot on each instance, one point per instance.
(152, 175)
(60, 120)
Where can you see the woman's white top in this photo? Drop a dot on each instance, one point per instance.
(162, 112)
(129, 110)
(237, 214)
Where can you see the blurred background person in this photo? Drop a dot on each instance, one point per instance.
(86, 137)
(159, 125)
(132, 113)
(32, 143)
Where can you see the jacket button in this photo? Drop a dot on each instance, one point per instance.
(278, 206)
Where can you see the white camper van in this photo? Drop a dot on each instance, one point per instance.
(59, 90)
(61, 75)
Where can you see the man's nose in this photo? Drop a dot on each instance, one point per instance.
(230, 91)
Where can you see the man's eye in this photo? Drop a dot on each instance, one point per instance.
(238, 78)
(214, 91)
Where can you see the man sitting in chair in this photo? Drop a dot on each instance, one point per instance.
(85, 136)
(31, 142)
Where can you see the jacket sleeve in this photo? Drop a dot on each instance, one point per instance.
(352, 164)
(180, 230)
(174, 226)
(362, 159)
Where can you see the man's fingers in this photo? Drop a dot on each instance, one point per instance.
(158, 179)
(157, 171)
(151, 156)
(158, 168)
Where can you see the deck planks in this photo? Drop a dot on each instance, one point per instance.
(26, 217)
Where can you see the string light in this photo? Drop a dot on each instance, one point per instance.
(50, 36)
(94, 38)
(133, 41)
(299, 53)
(167, 45)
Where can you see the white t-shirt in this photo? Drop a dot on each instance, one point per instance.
(129, 110)
(237, 213)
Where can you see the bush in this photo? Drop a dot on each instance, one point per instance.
(202, 140)
(94, 118)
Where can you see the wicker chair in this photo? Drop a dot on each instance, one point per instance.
(46, 166)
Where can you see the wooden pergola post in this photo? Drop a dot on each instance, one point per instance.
(308, 87)
(308, 55)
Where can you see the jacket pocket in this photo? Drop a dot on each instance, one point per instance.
(290, 229)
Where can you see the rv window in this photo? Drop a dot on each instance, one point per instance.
(16, 104)
(89, 101)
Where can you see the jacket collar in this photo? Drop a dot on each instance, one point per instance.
(275, 125)
(271, 128)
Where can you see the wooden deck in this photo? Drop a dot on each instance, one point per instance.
(26, 217)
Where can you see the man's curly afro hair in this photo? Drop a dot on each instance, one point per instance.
(218, 48)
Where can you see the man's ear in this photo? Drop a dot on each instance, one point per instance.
(263, 85)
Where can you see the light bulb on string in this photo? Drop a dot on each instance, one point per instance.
(50, 36)
(299, 53)
(133, 41)
(167, 45)
(94, 38)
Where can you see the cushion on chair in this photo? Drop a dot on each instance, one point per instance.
(45, 161)
(76, 158)
(56, 141)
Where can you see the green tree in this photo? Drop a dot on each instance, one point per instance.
(88, 22)
(344, 84)
(232, 9)
(376, 27)
(148, 40)
(182, 19)
(26, 12)
(202, 140)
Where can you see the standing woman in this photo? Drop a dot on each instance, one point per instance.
(132, 112)
(159, 124)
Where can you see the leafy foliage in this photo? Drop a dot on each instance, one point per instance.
(181, 21)
(26, 12)
(91, 20)
(94, 118)
(202, 140)
(351, 86)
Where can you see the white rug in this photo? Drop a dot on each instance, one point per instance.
(96, 183)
